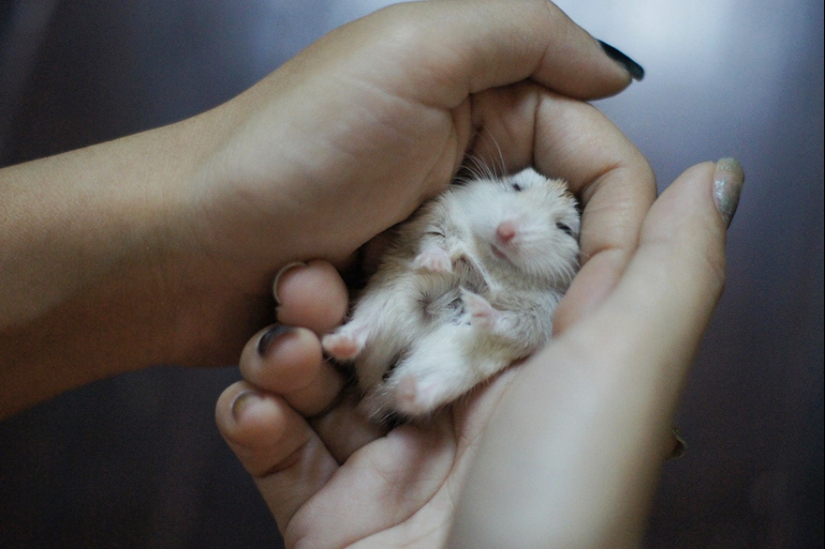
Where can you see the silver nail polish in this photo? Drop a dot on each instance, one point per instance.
(727, 186)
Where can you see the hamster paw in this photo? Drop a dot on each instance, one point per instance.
(433, 260)
(482, 314)
(342, 346)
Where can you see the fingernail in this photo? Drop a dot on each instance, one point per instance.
(636, 71)
(286, 268)
(241, 402)
(268, 337)
(727, 186)
(679, 444)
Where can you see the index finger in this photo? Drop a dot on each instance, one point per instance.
(617, 186)
(564, 138)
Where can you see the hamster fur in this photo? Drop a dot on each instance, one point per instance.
(468, 285)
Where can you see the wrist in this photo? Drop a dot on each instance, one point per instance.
(69, 220)
(84, 279)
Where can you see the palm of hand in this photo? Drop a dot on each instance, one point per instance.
(400, 490)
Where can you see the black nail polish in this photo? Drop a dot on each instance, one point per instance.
(271, 335)
(636, 71)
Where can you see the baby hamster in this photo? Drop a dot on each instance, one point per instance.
(468, 285)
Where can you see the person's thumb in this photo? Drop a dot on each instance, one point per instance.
(590, 413)
(672, 284)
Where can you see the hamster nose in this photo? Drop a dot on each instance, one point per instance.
(505, 231)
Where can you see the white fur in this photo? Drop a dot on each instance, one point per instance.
(469, 285)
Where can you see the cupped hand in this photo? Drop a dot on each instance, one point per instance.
(581, 434)
(579, 431)
(160, 247)
(335, 480)
(352, 134)
(379, 114)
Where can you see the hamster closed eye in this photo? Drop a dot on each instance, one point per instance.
(468, 285)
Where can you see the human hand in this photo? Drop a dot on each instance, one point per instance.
(351, 135)
(579, 431)
(159, 248)
(589, 416)
(336, 480)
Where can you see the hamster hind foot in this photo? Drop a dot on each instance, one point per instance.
(410, 397)
(433, 374)
(482, 315)
(416, 397)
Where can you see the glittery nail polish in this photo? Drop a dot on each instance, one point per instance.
(727, 186)
(636, 71)
(265, 342)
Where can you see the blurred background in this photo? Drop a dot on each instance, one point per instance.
(136, 462)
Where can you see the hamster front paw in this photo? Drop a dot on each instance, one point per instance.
(433, 260)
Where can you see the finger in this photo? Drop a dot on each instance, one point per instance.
(311, 295)
(277, 447)
(642, 340)
(678, 271)
(299, 290)
(608, 399)
(523, 125)
(288, 361)
(616, 185)
(653, 322)
(344, 429)
(296, 369)
(617, 190)
(466, 47)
